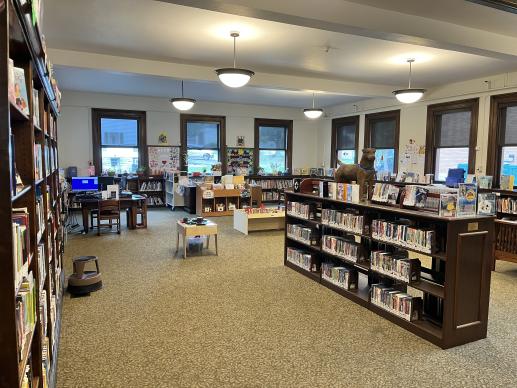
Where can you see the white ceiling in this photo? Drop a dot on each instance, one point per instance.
(89, 80)
(160, 31)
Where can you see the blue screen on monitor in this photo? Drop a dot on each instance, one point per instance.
(85, 183)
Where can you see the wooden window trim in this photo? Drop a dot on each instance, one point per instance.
(497, 103)
(336, 123)
(184, 118)
(274, 123)
(371, 118)
(140, 116)
(435, 110)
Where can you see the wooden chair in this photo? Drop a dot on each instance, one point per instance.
(108, 210)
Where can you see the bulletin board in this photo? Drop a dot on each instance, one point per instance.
(239, 161)
(163, 159)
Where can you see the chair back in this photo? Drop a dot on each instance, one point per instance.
(109, 206)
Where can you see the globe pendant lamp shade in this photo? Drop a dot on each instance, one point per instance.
(182, 103)
(313, 113)
(409, 95)
(234, 77)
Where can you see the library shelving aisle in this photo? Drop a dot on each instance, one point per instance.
(426, 273)
(31, 221)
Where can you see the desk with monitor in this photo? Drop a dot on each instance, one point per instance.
(87, 195)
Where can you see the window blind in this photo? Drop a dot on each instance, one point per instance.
(383, 134)
(346, 137)
(510, 128)
(453, 129)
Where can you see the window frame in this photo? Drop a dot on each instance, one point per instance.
(433, 113)
(221, 139)
(372, 118)
(288, 126)
(336, 123)
(495, 134)
(100, 113)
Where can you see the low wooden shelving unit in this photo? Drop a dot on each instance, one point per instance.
(453, 290)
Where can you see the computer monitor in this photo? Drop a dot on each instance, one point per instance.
(104, 181)
(85, 183)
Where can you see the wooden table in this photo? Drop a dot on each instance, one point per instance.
(246, 222)
(187, 231)
(130, 203)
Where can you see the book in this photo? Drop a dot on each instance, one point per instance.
(467, 198)
(507, 182)
(420, 196)
(35, 106)
(20, 90)
(393, 194)
(10, 81)
(448, 205)
(485, 181)
(487, 204)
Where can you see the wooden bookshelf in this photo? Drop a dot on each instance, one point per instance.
(153, 187)
(455, 310)
(20, 134)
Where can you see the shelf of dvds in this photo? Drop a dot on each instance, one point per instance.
(31, 283)
(449, 307)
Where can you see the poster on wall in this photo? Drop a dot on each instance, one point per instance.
(239, 161)
(163, 159)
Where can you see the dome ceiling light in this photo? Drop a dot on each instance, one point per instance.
(182, 103)
(313, 113)
(409, 95)
(233, 76)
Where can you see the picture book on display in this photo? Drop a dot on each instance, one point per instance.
(467, 198)
(507, 182)
(485, 181)
(20, 90)
(487, 204)
(448, 205)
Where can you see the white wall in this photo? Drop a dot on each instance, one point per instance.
(413, 117)
(75, 124)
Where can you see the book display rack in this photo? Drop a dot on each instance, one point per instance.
(31, 199)
(428, 274)
(153, 187)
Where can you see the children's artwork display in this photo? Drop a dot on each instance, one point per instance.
(239, 161)
(163, 159)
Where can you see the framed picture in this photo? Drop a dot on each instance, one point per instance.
(240, 141)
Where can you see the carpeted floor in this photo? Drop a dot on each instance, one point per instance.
(242, 319)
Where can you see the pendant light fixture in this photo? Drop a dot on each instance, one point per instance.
(409, 95)
(313, 113)
(182, 103)
(233, 76)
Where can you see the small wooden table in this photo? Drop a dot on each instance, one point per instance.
(208, 229)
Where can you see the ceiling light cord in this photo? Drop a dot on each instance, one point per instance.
(312, 100)
(410, 61)
(234, 52)
(182, 95)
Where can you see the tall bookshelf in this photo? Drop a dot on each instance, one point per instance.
(26, 139)
(449, 297)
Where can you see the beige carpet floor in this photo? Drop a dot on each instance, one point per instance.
(242, 319)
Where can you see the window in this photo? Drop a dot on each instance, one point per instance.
(502, 143)
(381, 132)
(273, 145)
(119, 140)
(344, 142)
(203, 142)
(451, 137)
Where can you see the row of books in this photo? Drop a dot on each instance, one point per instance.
(45, 361)
(41, 263)
(507, 205)
(349, 222)
(301, 233)
(279, 184)
(40, 215)
(301, 259)
(347, 192)
(396, 265)
(262, 210)
(395, 301)
(154, 201)
(404, 235)
(25, 312)
(271, 196)
(151, 186)
(21, 243)
(385, 193)
(340, 276)
(301, 209)
(339, 246)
